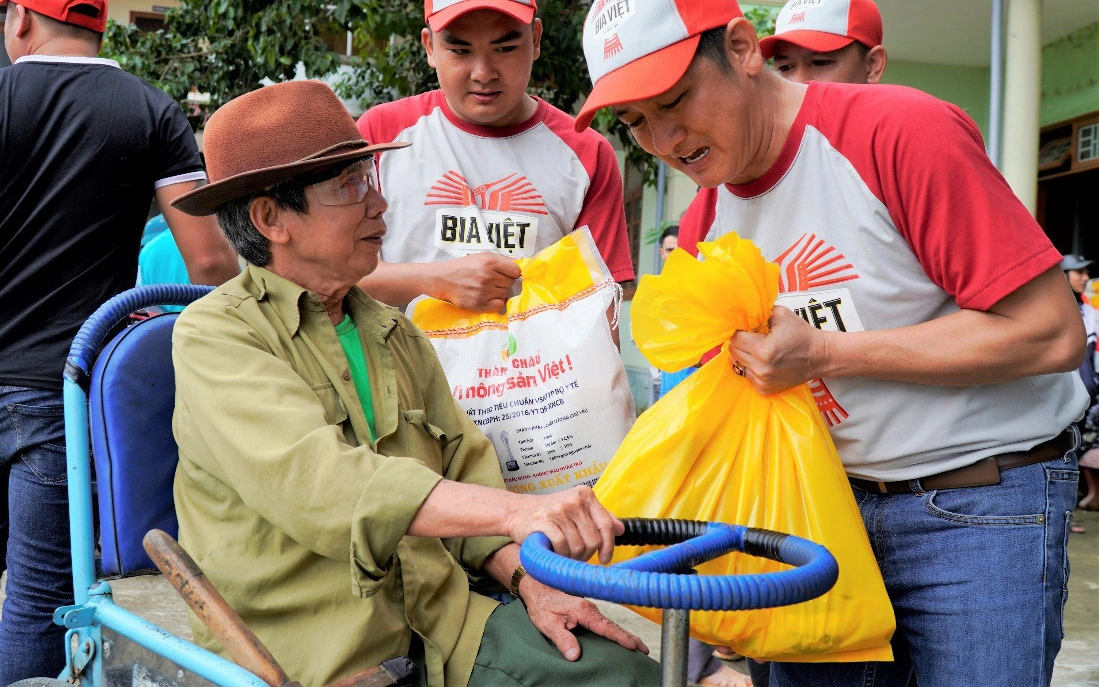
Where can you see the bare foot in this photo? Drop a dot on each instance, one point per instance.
(726, 677)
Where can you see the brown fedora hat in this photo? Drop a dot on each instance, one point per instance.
(272, 135)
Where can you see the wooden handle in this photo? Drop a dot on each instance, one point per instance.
(395, 671)
(242, 645)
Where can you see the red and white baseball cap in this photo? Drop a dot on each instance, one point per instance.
(91, 14)
(825, 25)
(637, 49)
(439, 13)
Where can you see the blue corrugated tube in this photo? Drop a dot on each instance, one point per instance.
(93, 333)
(652, 580)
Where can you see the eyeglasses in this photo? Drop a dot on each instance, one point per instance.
(350, 186)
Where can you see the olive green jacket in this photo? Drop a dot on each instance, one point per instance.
(293, 515)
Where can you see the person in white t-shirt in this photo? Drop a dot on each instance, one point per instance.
(497, 174)
(921, 302)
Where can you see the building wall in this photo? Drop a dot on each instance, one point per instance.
(1070, 80)
(1070, 76)
(119, 10)
(966, 87)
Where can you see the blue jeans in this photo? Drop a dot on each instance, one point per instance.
(978, 578)
(34, 532)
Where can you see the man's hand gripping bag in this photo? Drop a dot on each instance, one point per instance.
(715, 449)
(544, 381)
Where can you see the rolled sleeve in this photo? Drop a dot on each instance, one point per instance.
(382, 517)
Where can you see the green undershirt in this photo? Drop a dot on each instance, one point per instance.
(356, 363)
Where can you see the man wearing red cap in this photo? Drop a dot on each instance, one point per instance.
(85, 147)
(502, 173)
(922, 304)
(839, 41)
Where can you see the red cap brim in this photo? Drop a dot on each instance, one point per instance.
(643, 78)
(515, 10)
(817, 41)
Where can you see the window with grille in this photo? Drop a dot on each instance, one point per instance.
(1087, 143)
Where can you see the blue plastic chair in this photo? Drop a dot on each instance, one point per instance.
(129, 387)
(131, 398)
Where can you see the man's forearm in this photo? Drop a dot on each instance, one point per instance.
(213, 268)
(202, 245)
(454, 509)
(480, 282)
(397, 284)
(1034, 331)
(573, 520)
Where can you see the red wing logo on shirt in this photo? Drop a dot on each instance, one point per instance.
(510, 194)
(811, 263)
(832, 411)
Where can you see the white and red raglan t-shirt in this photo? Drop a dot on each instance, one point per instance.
(884, 211)
(463, 188)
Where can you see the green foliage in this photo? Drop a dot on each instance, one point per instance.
(393, 64)
(763, 18)
(228, 47)
(652, 234)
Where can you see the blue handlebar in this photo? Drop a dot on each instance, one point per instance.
(651, 579)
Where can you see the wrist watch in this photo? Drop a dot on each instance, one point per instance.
(516, 577)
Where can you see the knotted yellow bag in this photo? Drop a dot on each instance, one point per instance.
(715, 449)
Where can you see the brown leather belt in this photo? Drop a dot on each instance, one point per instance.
(982, 473)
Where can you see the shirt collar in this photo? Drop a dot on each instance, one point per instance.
(68, 59)
(289, 300)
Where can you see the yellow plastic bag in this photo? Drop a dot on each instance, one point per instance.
(715, 449)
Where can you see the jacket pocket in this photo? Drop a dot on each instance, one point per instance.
(335, 412)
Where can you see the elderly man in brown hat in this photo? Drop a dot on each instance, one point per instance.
(328, 483)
